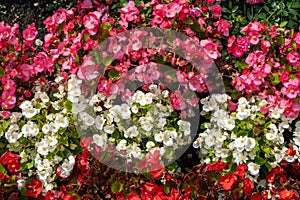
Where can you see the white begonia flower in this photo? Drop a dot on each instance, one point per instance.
(221, 98)
(239, 158)
(121, 146)
(185, 126)
(125, 111)
(240, 142)
(198, 143)
(285, 122)
(262, 103)
(134, 109)
(250, 144)
(51, 140)
(100, 140)
(61, 121)
(172, 134)
(57, 159)
(148, 98)
(29, 112)
(242, 102)
(150, 145)
(276, 112)
(131, 132)
(161, 123)
(147, 126)
(210, 105)
(109, 129)
(221, 137)
(12, 137)
(43, 175)
(46, 128)
(210, 140)
(253, 168)
(100, 120)
(165, 94)
(33, 130)
(89, 120)
(138, 96)
(273, 133)
(43, 148)
(21, 183)
(167, 140)
(26, 104)
(242, 113)
(229, 124)
(159, 137)
(135, 152)
(44, 97)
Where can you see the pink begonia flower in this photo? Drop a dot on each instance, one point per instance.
(251, 59)
(9, 97)
(172, 9)
(181, 77)
(30, 33)
(254, 37)
(177, 100)
(195, 82)
(91, 22)
(59, 17)
(252, 2)
(296, 38)
(88, 70)
(291, 88)
(26, 72)
(216, 11)
(223, 27)
(265, 45)
(293, 57)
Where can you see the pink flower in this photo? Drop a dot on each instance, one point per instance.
(30, 33)
(91, 22)
(172, 10)
(293, 58)
(216, 11)
(195, 82)
(223, 27)
(296, 38)
(265, 45)
(239, 83)
(254, 37)
(177, 100)
(291, 88)
(251, 59)
(88, 70)
(252, 2)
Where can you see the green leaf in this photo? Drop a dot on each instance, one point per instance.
(63, 140)
(259, 161)
(114, 74)
(68, 105)
(2, 169)
(275, 79)
(117, 187)
(107, 60)
(283, 24)
(2, 72)
(172, 167)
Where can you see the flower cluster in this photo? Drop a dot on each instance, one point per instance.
(243, 133)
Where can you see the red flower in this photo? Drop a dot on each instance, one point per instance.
(255, 196)
(270, 177)
(34, 189)
(217, 166)
(14, 166)
(158, 174)
(216, 11)
(228, 181)
(248, 186)
(287, 194)
(133, 197)
(240, 171)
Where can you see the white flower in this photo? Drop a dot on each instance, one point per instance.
(121, 145)
(43, 175)
(46, 128)
(242, 113)
(51, 140)
(210, 140)
(250, 144)
(229, 124)
(109, 129)
(147, 126)
(31, 128)
(21, 183)
(57, 159)
(99, 140)
(44, 97)
(161, 123)
(135, 152)
(134, 109)
(242, 102)
(12, 137)
(221, 98)
(29, 112)
(197, 143)
(167, 140)
(61, 121)
(159, 137)
(239, 158)
(131, 132)
(89, 120)
(276, 112)
(272, 135)
(240, 142)
(253, 168)
(148, 99)
(25, 104)
(125, 111)
(42, 148)
(100, 120)
(150, 145)
(185, 127)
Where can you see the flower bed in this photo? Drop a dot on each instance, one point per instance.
(111, 102)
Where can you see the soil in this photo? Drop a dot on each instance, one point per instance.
(25, 12)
